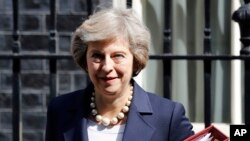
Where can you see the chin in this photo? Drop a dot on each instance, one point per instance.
(111, 89)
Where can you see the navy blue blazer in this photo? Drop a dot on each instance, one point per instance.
(150, 118)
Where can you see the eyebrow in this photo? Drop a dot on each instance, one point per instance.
(95, 51)
(99, 51)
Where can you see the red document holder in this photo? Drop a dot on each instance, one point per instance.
(215, 133)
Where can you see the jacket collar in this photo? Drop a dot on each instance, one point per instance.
(139, 108)
(141, 100)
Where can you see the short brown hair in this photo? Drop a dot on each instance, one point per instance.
(111, 24)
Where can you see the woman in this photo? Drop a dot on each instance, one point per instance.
(112, 47)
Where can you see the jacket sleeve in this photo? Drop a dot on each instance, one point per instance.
(180, 127)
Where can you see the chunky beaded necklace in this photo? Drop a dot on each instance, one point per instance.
(106, 121)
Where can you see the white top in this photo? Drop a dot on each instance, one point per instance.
(98, 132)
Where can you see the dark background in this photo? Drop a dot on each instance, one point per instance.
(34, 37)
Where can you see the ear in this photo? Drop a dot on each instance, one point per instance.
(135, 69)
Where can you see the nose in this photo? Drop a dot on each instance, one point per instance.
(107, 65)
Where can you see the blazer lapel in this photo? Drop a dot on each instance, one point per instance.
(79, 111)
(138, 128)
(77, 133)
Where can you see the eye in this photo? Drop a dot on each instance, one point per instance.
(118, 55)
(97, 57)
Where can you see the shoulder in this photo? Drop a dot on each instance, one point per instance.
(65, 98)
(160, 101)
(153, 101)
(67, 101)
(167, 108)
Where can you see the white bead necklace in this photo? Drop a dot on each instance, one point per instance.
(106, 121)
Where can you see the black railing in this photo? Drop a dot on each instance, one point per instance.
(167, 49)
(53, 36)
(166, 57)
(16, 79)
(207, 65)
(242, 16)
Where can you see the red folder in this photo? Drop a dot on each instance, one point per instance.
(215, 133)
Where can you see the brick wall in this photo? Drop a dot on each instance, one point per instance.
(34, 37)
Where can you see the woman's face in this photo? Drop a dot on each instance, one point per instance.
(110, 66)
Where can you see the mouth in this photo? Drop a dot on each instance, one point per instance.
(108, 79)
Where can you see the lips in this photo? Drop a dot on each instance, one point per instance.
(108, 79)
